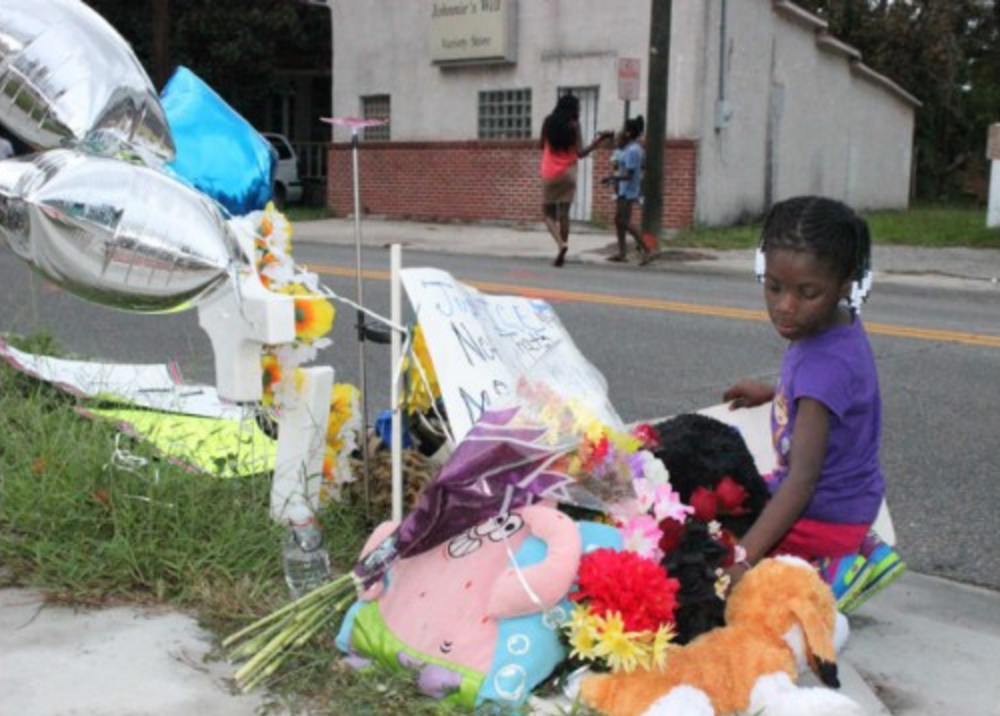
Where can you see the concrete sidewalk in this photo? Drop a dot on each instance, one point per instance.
(952, 267)
(924, 647)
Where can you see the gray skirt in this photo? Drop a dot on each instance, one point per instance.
(560, 189)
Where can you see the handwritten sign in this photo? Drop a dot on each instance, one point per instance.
(483, 345)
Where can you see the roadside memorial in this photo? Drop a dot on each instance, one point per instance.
(551, 538)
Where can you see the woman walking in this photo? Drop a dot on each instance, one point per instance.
(562, 146)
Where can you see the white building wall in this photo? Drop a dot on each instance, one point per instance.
(880, 146)
(732, 158)
(811, 91)
(801, 121)
(381, 47)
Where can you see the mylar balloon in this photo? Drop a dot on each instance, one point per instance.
(115, 233)
(67, 77)
(218, 151)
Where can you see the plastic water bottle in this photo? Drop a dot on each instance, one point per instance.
(307, 563)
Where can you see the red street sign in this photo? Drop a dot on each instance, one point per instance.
(628, 79)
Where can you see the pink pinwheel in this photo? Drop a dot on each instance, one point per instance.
(354, 123)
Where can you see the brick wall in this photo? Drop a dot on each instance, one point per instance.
(479, 181)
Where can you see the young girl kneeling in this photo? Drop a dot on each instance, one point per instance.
(815, 263)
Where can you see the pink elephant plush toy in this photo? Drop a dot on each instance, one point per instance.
(476, 618)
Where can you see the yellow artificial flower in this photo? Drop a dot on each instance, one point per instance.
(270, 376)
(422, 395)
(313, 314)
(618, 647)
(579, 619)
(275, 222)
(342, 401)
(583, 630)
(661, 645)
(329, 464)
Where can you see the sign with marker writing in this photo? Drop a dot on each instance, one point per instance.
(483, 345)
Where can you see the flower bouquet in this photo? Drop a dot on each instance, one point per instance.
(624, 614)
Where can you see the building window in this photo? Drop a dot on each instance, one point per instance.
(377, 106)
(505, 114)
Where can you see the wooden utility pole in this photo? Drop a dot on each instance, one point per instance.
(657, 93)
(161, 42)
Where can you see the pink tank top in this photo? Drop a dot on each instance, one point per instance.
(556, 163)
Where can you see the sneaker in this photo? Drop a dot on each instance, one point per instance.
(884, 566)
(845, 575)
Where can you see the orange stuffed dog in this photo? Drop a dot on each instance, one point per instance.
(779, 618)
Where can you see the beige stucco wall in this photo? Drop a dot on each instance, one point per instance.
(801, 120)
(381, 46)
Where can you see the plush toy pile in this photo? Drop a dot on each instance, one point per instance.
(779, 619)
(489, 614)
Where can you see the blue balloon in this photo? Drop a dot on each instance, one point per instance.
(218, 152)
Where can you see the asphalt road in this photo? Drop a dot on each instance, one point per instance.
(667, 341)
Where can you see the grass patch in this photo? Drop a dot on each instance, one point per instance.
(91, 531)
(929, 226)
(300, 212)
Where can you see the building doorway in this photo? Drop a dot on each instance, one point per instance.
(583, 204)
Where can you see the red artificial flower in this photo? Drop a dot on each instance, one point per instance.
(629, 584)
(730, 496)
(672, 531)
(647, 435)
(728, 540)
(705, 504)
(599, 450)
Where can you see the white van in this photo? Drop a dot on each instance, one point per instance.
(287, 184)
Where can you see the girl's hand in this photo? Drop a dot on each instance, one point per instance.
(748, 394)
(735, 573)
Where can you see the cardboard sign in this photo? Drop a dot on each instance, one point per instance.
(483, 345)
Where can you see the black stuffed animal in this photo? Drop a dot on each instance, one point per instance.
(699, 451)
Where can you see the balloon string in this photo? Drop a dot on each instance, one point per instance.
(329, 293)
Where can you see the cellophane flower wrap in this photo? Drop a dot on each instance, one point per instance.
(547, 447)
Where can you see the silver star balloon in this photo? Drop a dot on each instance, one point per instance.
(67, 77)
(119, 234)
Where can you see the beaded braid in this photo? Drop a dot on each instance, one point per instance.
(830, 230)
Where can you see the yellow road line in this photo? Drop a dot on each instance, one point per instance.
(696, 309)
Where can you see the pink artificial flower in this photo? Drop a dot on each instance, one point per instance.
(667, 504)
(642, 535)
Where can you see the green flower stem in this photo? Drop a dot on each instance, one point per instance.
(267, 642)
(334, 587)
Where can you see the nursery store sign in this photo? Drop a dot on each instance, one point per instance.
(473, 31)
(483, 345)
